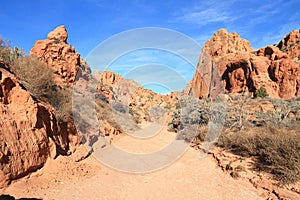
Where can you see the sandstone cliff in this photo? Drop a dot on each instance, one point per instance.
(228, 64)
(290, 44)
(30, 131)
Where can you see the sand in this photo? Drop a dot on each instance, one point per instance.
(189, 177)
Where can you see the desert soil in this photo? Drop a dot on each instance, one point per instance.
(187, 178)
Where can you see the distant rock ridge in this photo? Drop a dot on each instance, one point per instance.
(133, 95)
(228, 64)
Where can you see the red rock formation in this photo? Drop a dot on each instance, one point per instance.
(29, 131)
(290, 44)
(109, 78)
(60, 56)
(228, 64)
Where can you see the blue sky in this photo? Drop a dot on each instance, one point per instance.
(90, 22)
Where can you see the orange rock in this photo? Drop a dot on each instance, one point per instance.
(61, 57)
(29, 131)
(290, 44)
(60, 34)
(228, 64)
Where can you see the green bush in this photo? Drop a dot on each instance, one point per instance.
(261, 92)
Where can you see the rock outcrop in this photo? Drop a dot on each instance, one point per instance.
(290, 44)
(30, 132)
(61, 57)
(228, 64)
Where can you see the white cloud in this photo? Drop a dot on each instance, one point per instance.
(208, 12)
(273, 37)
(204, 17)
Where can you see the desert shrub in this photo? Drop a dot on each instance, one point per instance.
(7, 54)
(136, 116)
(285, 115)
(156, 112)
(298, 57)
(276, 150)
(61, 99)
(104, 112)
(116, 106)
(261, 92)
(188, 134)
(177, 105)
(195, 114)
(37, 78)
(5, 51)
(167, 107)
(190, 112)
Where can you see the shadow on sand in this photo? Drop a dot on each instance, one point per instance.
(8, 197)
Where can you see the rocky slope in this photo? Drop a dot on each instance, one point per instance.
(228, 64)
(140, 101)
(30, 131)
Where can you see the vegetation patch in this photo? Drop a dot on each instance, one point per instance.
(261, 92)
(37, 78)
(276, 151)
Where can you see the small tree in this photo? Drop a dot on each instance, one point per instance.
(261, 92)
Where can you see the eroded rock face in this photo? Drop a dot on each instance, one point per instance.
(228, 64)
(290, 44)
(29, 131)
(61, 57)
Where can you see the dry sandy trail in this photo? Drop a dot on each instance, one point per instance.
(187, 178)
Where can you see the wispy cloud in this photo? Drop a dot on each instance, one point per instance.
(207, 12)
(275, 35)
(204, 17)
(260, 22)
